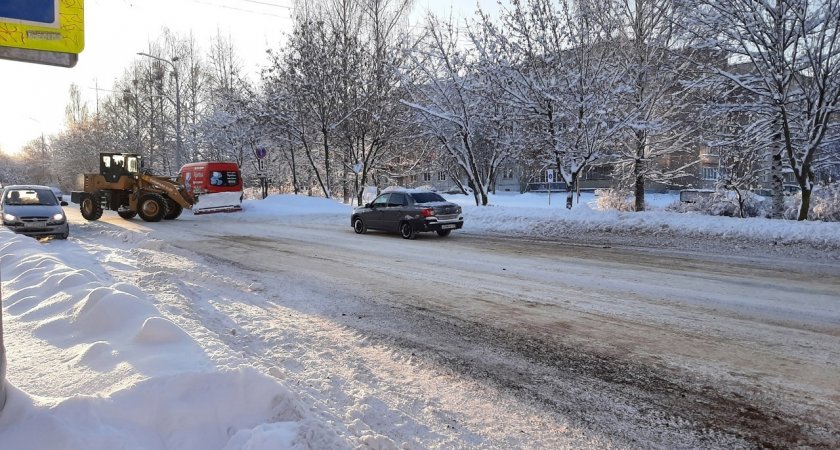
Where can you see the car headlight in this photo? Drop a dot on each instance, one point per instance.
(9, 218)
(58, 217)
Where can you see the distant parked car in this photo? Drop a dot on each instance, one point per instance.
(34, 211)
(408, 212)
(58, 194)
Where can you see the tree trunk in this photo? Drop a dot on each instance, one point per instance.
(294, 172)
(805, 206)
(740, 203)
(777, 187)
(639, 185)
(639, 172)
(326, 182)
(570, 191)
(361, 183)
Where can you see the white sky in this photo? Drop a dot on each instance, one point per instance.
(33, 97)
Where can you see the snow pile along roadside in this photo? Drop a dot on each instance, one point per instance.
(292, 205)
(560, 223)
(102, 369)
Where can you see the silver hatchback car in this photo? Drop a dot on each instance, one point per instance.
(34, 211)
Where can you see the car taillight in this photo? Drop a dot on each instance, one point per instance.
(427, 212)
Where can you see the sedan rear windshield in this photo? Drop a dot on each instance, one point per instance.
(427, 197)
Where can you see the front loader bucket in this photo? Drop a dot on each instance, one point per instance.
(218, 202)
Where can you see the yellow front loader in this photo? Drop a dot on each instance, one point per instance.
(123, 187)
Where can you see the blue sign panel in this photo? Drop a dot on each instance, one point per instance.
(42, 11)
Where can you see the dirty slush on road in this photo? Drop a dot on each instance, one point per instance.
(631, 402)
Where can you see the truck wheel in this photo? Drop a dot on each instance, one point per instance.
(174, 209)
(127, 215)
(151, 207)
(90, 207)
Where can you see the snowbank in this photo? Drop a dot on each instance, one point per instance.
(561, 223)
(296, 205)
(136, 380)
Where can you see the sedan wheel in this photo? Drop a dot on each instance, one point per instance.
(407, 231)
(359, 226)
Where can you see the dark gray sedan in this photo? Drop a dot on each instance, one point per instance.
(408, 212)
(34, 211)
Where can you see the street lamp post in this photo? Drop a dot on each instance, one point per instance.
(177, 105)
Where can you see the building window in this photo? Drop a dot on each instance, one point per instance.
(442, 176)
(599, 173)
(711, 173)
(427, 176)
(706, 151)
(507, 173)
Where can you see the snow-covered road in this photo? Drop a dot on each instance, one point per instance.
(476, 341)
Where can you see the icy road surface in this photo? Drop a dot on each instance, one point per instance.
(476, 341)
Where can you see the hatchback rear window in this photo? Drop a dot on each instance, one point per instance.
(427, 197)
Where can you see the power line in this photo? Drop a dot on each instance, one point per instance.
(249, 11)
(267, 4)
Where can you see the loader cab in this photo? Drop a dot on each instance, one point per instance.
(114, 165)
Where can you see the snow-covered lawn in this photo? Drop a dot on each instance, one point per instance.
(121, 375)
(530, 215)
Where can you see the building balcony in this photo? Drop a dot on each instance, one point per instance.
(709, 158)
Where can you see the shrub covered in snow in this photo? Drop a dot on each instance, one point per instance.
(617, 199)
(825, 204)
(726, 203)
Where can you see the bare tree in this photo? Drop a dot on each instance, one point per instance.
(554, 67)
(312, 70)
(12, 169)
(373, 134)
(228, 125)
(76, 111)
(660, 72)
(445, 93)
(788, 52)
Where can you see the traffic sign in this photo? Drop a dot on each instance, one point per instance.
(42, 31)
(37, 11)
(549, 175)
(260, 152)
